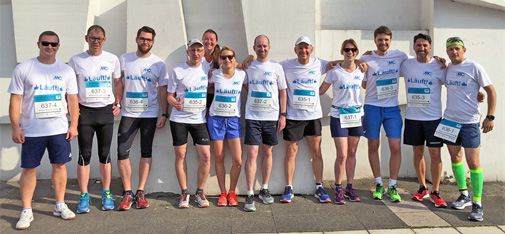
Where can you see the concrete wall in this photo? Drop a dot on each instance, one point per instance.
(326, 22)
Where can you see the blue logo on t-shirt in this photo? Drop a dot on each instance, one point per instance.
(261, 82)
(104, 68)
(391, 62)
(461, 74)
(304, 81)
(312, 72)
(456, 83)
(427, 73)
(47, 87)
(140, 78)
(390, 71)
(419, 81)
(267, 74)
(147, 69)
(236, 83)
(58, 78)
(350, 86)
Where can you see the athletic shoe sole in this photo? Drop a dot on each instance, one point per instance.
(461, 207)
(438, 206)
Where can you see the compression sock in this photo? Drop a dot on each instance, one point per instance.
(459, 174)
(477, 182)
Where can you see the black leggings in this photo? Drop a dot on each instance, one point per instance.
(91, 120)
(127, 131)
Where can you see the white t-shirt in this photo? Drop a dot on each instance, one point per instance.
(189, 83)
(384, 71)
(265, 79)
(206, 65)
(141, 77)
(226, 93)
(94, 77)
(346, 89)
(423, 84)
(303, 88)
(463, 82)
(43, 87)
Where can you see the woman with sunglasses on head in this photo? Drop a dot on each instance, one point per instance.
(346, 117)
(224, 121)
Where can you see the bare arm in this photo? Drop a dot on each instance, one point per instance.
(174, 102)
(487, 125)
(162, 90)
(14, 111)
(73, 111)
(282, 102)
(323, 88)
(363, 84)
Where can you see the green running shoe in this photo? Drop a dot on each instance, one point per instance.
(393, 194)
(379, 191)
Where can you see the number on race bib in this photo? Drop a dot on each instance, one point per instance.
(261, 101)
(137, 101)
(350, 117)
(98, 91)
(418, 97)
(48, 106)
(195, 101)
(386, 88)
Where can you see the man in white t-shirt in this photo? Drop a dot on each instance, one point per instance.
(381, 108)
(95, 70)
(265, 116)
(143, 76)
(461, 122)
(44, 90)
(187, 93)
(303, 114)
(423, 82)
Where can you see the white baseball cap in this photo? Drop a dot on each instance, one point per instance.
(303, 39)
(194, 41)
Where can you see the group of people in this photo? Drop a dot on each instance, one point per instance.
(205, 95)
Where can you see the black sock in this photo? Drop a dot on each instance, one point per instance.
(198, 191)
(184, 191)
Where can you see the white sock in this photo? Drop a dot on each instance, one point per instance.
(250, 192)
(58, 204)
(378, 180)
(264, 186)
(465, 192)
(291, 186)
(27, 210)
(478, 203)
(319, 186)
(392, 182)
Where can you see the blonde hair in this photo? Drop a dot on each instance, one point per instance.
(349, 41)
(227, 48)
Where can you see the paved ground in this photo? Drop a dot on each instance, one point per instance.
(304, 214)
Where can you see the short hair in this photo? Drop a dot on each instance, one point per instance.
(96, 27)
(382, 30)
(261, 36)
(49, 33)
(210, 31)
(349, 41)
(146, 29)
(422, 36)
(227, 48)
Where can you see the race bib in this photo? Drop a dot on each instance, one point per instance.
(98, 91)
(448, 130)
(418, 97)
(261, 101)
(350, 117)
(195, 101)
(304, 99)
(47, 105)
(137, 101)
(386, 88)
(225, 106)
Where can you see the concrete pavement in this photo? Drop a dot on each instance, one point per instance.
(304, 214)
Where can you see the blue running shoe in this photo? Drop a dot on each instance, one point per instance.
(83, 206)
(287, 195)
(322, 195)
(107, 201)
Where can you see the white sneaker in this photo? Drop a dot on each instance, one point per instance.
(184, 202)
(202, 201)
(25, 220)
(64, 212)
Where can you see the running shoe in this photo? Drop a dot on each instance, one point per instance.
(322, 195)
(83, 206)
(393, 194)
(421, 194)
(232, 199)
(265, 196)
(201, 200)
(24, 220)
(287, 195)
(462, 202)
(339, 196)
(140, 200)
(222, 199)
(107, 201)
(350, 193)
(63, 212)
(379, 191)
(437, 199)
(184, 201)
(249, 203)
(477, 213)
(126, 202)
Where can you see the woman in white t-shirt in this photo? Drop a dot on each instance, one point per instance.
(346, 117)
(224, 121)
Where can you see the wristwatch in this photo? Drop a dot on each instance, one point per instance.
(284, 114)
(490, 117)
(118, 105)
(166, 115)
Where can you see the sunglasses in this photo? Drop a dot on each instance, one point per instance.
(46, 43)
(98, 39)
(454, 41)
(350, 49)
(230, 57)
